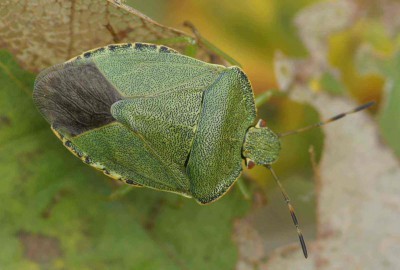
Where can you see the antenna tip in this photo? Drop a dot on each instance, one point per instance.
(303, 246)
(365, 106)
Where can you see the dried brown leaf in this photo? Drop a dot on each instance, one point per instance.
(315, 25)
(43, 33)
(249, 241)
(40, 248)
(358, 199)
(391, 18)
(316, 22)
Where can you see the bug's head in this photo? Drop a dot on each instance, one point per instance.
(261, 145)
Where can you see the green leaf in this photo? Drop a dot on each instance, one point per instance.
(51, 201)
(331, 84)
(370, 61)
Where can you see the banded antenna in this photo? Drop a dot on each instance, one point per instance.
(284, 193)
(330, 120)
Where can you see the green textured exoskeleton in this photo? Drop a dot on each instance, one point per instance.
(152, 117)
(149, 116)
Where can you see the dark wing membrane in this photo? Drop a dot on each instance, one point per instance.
(75, 97)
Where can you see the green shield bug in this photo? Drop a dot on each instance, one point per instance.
(149, 116)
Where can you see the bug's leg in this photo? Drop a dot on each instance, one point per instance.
(121, 191)
(291, 210)
(243, 189)
(264, 97)
(214, 51)
(190, 43)
(114, 34)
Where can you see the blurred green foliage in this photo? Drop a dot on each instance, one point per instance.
(50, 195)
(388, 66)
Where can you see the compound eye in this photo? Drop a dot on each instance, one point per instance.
(250, 163)
(261, 123)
